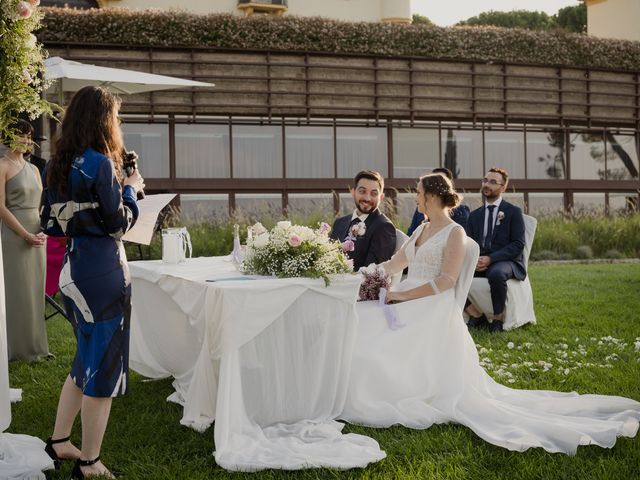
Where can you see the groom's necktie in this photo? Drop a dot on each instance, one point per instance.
(354, 221)
(487, 239)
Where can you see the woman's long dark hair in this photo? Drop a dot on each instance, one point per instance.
(89, 122)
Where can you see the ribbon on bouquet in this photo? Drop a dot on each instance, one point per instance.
(389, 312)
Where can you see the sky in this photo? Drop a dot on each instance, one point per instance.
(448, 12)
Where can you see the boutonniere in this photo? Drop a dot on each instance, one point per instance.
(500, 217)
(358, 230)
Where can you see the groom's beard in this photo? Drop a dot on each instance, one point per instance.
(365, 207)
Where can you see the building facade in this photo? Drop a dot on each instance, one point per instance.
(614, 19)
(396, 11)
(289, 130)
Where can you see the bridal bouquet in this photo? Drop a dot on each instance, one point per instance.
(294, 251)
(374, 279)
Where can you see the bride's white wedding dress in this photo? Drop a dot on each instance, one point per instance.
(428, 371)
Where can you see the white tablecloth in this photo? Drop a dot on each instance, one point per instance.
(268, 359)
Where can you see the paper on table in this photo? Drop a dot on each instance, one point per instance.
(149, 207)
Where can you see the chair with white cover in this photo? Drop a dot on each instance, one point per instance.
(401, 239)
(519, 306)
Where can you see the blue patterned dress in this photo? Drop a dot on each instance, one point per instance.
(94, 282)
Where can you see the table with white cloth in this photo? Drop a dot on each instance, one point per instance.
(268, 359)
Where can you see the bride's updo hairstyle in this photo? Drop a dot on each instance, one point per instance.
(437, 184)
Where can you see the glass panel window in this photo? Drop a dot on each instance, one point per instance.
(626, 202)
(622, 157)
(258, 207)
(202, 151)
(151, 143)
(203, 208)
(505, 150)
(347, 205)
(257, 151)
(462, 152)
(587, 156)
(472, 200)
(310, 208)
(309, 152)
(415, 152)
(545, 155)
(516, 199)
(361, 148)
(406, 206)
(588, 203)
(541, 204)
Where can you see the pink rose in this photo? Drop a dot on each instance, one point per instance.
(23, 9)
(294, 240)
(324, 228)
(359, 229)
(348, 245)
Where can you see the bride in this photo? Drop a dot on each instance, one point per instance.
(428, 371)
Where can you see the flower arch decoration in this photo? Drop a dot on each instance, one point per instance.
(21, 64)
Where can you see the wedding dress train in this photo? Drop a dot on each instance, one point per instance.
(428, 372)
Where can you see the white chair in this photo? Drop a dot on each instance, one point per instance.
(472, 251)
(401, 238)
(519, 307)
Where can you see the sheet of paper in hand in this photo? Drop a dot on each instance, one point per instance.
(149, 207)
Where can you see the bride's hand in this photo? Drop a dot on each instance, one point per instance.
(394, 297)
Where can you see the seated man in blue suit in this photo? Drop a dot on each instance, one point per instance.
(460, 214)
(498, 227)
(371, 235)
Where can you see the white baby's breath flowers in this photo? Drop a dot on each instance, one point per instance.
(510, 345)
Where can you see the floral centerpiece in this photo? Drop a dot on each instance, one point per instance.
(294, 251)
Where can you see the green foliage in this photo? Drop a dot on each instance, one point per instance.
(569, 19)
(421, 19)
(584, 252)
(564, 234)
(575, 304)
(21, 66)
(513, 19)
(572, 19)
(289, 33)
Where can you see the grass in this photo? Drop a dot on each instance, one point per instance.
(580, 308)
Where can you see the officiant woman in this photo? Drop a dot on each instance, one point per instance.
(88, 198)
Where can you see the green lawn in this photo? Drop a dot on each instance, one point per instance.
(588, 324)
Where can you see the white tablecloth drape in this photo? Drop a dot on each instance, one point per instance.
(268, 359)
(22, 457)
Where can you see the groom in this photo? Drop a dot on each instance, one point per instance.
(498, 227)
(367, 235)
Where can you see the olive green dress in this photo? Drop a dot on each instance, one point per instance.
(24, 269)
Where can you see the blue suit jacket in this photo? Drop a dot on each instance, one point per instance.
(508, 238)
(460, 215)
(375, 246)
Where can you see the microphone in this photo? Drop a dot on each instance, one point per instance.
(130, 165)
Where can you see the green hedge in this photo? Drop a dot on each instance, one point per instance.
(289, 33)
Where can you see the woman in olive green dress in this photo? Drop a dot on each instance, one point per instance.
(22, 248)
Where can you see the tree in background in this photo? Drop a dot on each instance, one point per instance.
(513, 19)
(421, 20)
(21, 64)
(569, 19)
(572, 19)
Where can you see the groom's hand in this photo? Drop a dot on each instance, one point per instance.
(483, 263)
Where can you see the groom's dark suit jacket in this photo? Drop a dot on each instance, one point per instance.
(375, 246)
(508, 236)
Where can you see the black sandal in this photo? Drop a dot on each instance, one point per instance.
(52, 452)
(76, 473)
